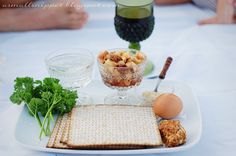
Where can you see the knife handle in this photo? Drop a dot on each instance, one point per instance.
(165, 68)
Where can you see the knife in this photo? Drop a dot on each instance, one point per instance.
(162, 75)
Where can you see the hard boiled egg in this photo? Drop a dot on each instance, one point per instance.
(167, 106)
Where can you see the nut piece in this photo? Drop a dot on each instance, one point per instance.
(172, 133)
(103, 56)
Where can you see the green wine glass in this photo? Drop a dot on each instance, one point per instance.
(134, 22)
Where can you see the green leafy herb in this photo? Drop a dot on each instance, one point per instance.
(43, 98)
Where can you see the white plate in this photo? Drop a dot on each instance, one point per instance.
(27, 130)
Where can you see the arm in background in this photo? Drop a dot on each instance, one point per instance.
(168, 2)
(224, 14)
(40, 18)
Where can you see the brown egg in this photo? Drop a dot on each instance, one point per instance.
(167, 106)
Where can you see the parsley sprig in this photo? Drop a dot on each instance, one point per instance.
(43, 98)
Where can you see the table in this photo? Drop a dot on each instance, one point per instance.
(204, 58)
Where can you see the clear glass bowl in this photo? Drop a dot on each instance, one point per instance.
(74, 68)
(122, 79)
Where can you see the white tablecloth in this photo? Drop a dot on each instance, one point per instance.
(204, 59)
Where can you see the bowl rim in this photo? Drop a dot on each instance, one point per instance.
(63, 52)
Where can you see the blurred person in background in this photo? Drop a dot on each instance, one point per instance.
(225, 9)
(14, 17)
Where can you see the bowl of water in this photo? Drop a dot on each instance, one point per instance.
(73, 67)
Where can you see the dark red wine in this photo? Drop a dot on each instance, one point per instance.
(134, 24)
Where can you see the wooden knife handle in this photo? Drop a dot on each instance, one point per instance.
(165, 68)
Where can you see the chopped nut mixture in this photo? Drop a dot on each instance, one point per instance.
(172, 133)
(121, 68)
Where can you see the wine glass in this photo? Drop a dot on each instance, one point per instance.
(134, 22)
(121, 78)
(74, 68)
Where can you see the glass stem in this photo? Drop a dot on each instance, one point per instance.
(135, 45)
(121, 94)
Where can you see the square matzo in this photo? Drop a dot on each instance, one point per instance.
(108, 126)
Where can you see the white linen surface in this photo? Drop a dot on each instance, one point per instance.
(204, 58)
